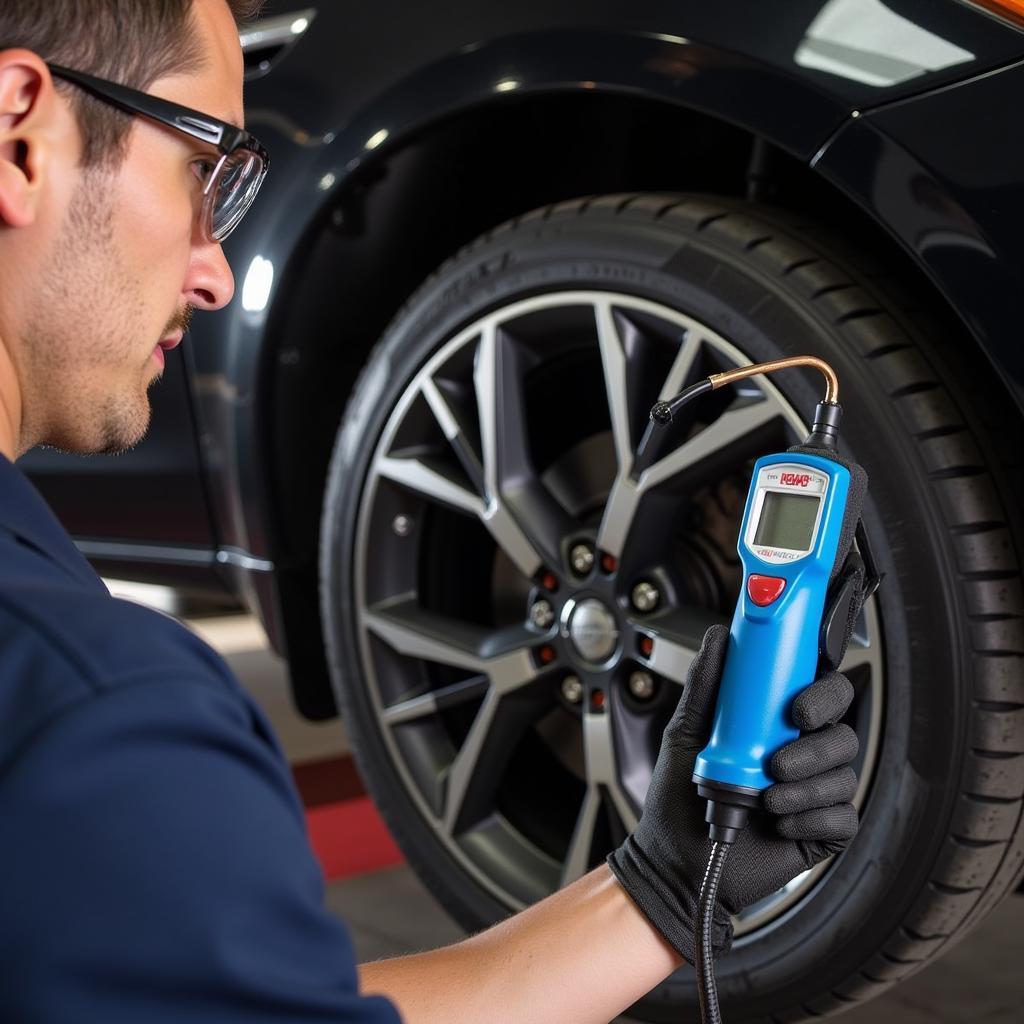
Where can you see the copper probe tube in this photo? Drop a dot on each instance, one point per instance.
(719, 380)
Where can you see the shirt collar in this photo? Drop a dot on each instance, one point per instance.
(25, 514)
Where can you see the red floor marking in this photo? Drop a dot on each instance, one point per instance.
(345, 831)
(350, 839)
(327, 782)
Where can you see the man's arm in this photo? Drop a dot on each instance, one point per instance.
(584, 954)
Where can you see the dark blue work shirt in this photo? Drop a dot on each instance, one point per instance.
(154, 865)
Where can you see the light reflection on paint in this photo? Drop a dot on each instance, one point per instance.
(258, 281)
(865, 41)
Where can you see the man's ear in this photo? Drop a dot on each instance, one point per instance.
(27, 111)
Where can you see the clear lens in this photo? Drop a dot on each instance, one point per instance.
(232, 189)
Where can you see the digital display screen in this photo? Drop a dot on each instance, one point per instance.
(787, 521)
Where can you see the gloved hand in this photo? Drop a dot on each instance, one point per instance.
(808, 815)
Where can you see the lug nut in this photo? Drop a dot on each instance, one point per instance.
(542, 614)
(645, 597)
(402, 525)
(572, 689)
(641, 685)
(582, 559)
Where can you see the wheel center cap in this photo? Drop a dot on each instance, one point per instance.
(592, 628)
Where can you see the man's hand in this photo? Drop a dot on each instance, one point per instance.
(808, 815)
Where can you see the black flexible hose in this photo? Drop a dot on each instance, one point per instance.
(707, 991)
(661, 416)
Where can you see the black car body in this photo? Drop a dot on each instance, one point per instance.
(401, 132)
(226, 488)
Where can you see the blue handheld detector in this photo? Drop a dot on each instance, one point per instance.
(789, 542)
(795, 607)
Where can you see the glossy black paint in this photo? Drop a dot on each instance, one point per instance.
(370, 86)
(357, 52)
(945, 175)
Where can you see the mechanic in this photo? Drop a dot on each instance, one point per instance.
(154, 863)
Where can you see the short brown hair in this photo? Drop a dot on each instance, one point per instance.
(133, 42)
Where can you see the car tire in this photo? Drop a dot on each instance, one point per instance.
(941, 839)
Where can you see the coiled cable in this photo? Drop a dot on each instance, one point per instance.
(707, 990)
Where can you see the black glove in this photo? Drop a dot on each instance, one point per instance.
(808, 815)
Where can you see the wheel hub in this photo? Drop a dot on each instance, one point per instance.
(592, 628)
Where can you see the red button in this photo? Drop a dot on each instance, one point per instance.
(764, 589)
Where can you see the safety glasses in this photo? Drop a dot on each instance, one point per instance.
(232, 185)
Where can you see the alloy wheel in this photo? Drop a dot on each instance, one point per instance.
(531, 593)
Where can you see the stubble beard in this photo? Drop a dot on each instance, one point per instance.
(81, 348)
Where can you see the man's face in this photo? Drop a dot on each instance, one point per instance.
(124, 266)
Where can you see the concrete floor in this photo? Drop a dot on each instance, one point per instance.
(390, 912)
(981, 980)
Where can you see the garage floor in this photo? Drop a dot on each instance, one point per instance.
(389, 912)
(981, 980)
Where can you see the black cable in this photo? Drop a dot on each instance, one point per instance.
(661, 416)
(707, 991)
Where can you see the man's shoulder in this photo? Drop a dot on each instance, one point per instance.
(62, 643)
(99, 639)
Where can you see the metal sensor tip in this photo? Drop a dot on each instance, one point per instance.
(662, 413)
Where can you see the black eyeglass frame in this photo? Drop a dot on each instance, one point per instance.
(226, 138)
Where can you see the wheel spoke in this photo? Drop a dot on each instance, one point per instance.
(681, 366)
(454, 431)
(613, 360)
(473, 778)
(513, 494)
(602, 770)
(460, 773)
(678, 634)
(602, 783)
(622, 502)
(427, 704)
(431, 483)
(502, 409)
(503, 656)
(577, 860)
(438, 486)
(529, 501)
(672, 659)
(619, 513)
(509, 536)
